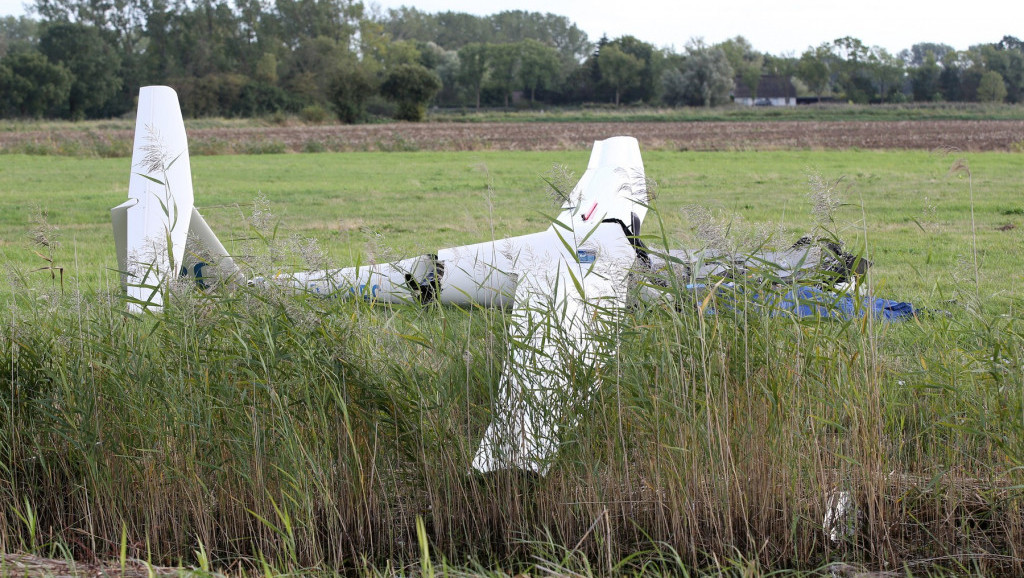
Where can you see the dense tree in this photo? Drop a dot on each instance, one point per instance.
(949, 78)
(1007, 59)
(124, 19)
(337, 20)
(538, 66)
(252, 57)
(504, 68)
(918, 54)
(619, 69)
(886, 74)
(814, 69)
(444, 63)
(473, 66)
(644, 89)
(310, 70)
(746, 63)
(351, 87)
(852, 69)
(673, 87)
(411, 86)
(991, 87)
(453, 30)
(94, 64)
(707, 78)
(17, 33)
(924, 80)
(32, 86)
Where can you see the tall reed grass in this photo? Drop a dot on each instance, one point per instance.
(258, 430)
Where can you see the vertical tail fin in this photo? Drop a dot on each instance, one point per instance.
(155, 221)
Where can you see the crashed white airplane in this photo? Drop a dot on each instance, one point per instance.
(565, 285)
(562, 283)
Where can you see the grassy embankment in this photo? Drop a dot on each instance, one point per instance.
(260, 427)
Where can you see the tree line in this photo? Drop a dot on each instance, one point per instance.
(320, 58)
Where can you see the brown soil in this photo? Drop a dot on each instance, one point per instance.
(703, 136)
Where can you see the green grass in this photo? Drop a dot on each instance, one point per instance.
(912, 213)
(257, 430)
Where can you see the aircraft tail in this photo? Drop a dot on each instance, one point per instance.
(158, 233)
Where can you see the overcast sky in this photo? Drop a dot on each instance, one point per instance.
(776, 27)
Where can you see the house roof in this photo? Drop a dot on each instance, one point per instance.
(770, 86)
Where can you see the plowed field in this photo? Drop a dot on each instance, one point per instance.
(703, 136)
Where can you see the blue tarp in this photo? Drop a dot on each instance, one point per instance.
(810, 301)
(815, 302)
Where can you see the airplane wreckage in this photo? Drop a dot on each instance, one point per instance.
(566, 278)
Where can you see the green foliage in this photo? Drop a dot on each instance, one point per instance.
(353, 85)
(257, 99)
(266, 69)
(473, 67)
(455, 30)
(504, 64)
(410, 86)
(17, 33)
(94, 65)
(618, 69)
(294, 53)
(643, 88)
(314, 114)
(223, 95)
(1006, 58)
(312, 68)
(925, 79)
(31, 86)
(746, 62)
(706, 78)
(814, 69)
(334, 20)
(538, 66)
(991, 88)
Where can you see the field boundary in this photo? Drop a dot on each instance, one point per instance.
(965, 135)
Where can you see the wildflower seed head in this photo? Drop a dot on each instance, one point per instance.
(960, 167)
(825, 198)
(377, 248)
(261, 219)
(712, 232)
(42, 233)
(156, 158)
(561, 181)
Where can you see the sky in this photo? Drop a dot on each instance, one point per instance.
(777, 27)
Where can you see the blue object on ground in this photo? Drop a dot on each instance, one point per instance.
(809, 301)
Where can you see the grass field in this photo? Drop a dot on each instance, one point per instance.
(912, 212)
(273, 434)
